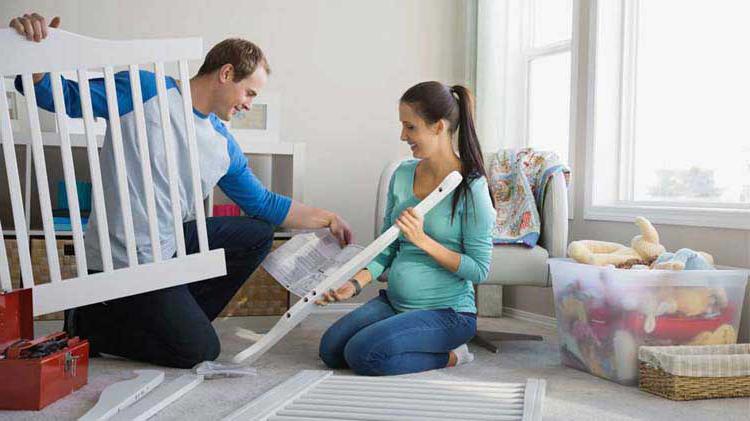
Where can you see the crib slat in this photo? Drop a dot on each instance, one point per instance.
(187, 103)
(14, 188)
(148, 181)
(5, 284)
(170, 151)
(69, 174)
(92, 149)
(122, 184)
(27, 186)
(42, 183)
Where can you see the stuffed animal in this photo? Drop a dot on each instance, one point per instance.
(684, 259)
(600, 253)
(625, 356)
(724, 334)
(647, 244)
(691, 301)
(644, 249)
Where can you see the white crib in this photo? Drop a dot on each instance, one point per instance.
(63, 52)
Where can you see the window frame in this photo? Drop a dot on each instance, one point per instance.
(529, 53)
(519, 54)
(625, 208)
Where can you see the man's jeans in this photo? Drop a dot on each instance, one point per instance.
(172, 327)
(376, 340)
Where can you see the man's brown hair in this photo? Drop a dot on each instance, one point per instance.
(243, 55)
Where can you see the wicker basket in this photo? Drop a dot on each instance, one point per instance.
(261, 295)
(695, 372)
(11, 251)
(40, 266)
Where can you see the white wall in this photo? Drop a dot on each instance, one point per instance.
(339, 65)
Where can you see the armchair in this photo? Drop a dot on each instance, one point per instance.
(511, 264)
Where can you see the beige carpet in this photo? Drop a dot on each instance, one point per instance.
(571, 395)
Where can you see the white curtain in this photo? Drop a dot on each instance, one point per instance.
(498, 78)
(490, 67)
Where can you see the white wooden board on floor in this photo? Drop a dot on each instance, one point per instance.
(319, 395)
(118, 396)
(159, 399)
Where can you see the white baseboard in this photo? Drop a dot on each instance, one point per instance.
(540, 319)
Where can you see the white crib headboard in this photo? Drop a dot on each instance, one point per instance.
(61, 52)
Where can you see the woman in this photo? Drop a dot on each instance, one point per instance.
(428, 313)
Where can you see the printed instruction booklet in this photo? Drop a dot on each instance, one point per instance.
(304, 261)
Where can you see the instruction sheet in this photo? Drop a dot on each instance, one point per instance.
(304, 261)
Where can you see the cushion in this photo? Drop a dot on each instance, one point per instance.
(515, 264)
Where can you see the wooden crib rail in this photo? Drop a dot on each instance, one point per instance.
(67, 52)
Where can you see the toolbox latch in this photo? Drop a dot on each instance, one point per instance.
(71, 361)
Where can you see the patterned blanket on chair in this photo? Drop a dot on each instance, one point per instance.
(518, 180)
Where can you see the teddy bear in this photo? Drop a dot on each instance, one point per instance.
(684, 259)
(687, 302)
(724, 334)
(600, 253)
(643, 250)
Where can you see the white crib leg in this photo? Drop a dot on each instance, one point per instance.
(304, 307)
(118, 396)
(159, 398)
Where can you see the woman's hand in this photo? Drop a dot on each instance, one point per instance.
(410, 222)
(344, 292)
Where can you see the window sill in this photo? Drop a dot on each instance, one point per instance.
(685, 216)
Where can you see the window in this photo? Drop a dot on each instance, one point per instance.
(669, 134)
(545, 55)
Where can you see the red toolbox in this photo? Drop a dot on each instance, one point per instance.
(36, 372)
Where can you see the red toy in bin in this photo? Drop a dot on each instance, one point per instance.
(36, 372)
(680, 328)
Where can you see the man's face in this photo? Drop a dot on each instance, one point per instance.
(238, 96)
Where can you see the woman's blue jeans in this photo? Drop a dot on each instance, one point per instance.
(376, 340)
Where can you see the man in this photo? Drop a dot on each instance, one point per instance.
(172, 327)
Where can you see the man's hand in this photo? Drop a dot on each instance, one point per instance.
(410, 222)
(344, 292)
(302, 216)
(33, 26)
(341, 230)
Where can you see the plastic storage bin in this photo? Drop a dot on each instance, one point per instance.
(604, 314)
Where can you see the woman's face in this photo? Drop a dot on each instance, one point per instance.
(421, 136)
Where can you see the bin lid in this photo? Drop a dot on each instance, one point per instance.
(16, 317)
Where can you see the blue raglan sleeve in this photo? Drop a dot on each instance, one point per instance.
(477, 233)
(241, 185)
(72, 93)
(383, 260)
